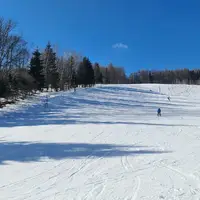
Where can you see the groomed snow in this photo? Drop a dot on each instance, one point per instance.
(103, 143)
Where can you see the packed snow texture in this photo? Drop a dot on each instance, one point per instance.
(103, 143)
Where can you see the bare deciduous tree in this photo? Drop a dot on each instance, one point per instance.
(13, 49)
(67, 67)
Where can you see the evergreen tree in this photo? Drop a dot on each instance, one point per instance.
(85, 73)
(97, 74)
(36, 69)
(90, 75)
(50, 69)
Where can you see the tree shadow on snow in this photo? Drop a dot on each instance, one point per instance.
(32, 152)
(78, 109)
(116, 89)
(38, 118)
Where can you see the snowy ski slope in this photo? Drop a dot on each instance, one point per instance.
(103, 143)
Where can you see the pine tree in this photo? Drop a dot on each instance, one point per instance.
(85, 73)
(36, 69)
(90, 75)
(82, 74)
(97, 74)
(50, 70)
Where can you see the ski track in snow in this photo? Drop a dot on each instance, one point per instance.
(103, 143)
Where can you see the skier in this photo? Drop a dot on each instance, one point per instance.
(159, 112)
(168, 98)
(46, 102)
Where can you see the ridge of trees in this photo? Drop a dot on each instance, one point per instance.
(178, 76)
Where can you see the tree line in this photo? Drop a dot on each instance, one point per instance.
(23, 72)
(178, 76)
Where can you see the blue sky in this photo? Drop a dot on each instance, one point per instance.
(142, 34)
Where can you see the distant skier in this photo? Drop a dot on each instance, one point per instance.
(159, 112)
(168, 98)
(46, 101)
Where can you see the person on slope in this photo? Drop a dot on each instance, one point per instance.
(159, 112)
(46, 101)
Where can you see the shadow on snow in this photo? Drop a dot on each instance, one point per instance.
(79, 102)
(31, 152)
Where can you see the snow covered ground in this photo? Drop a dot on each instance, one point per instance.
(103, 143)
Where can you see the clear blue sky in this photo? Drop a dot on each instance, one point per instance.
(152, 34)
